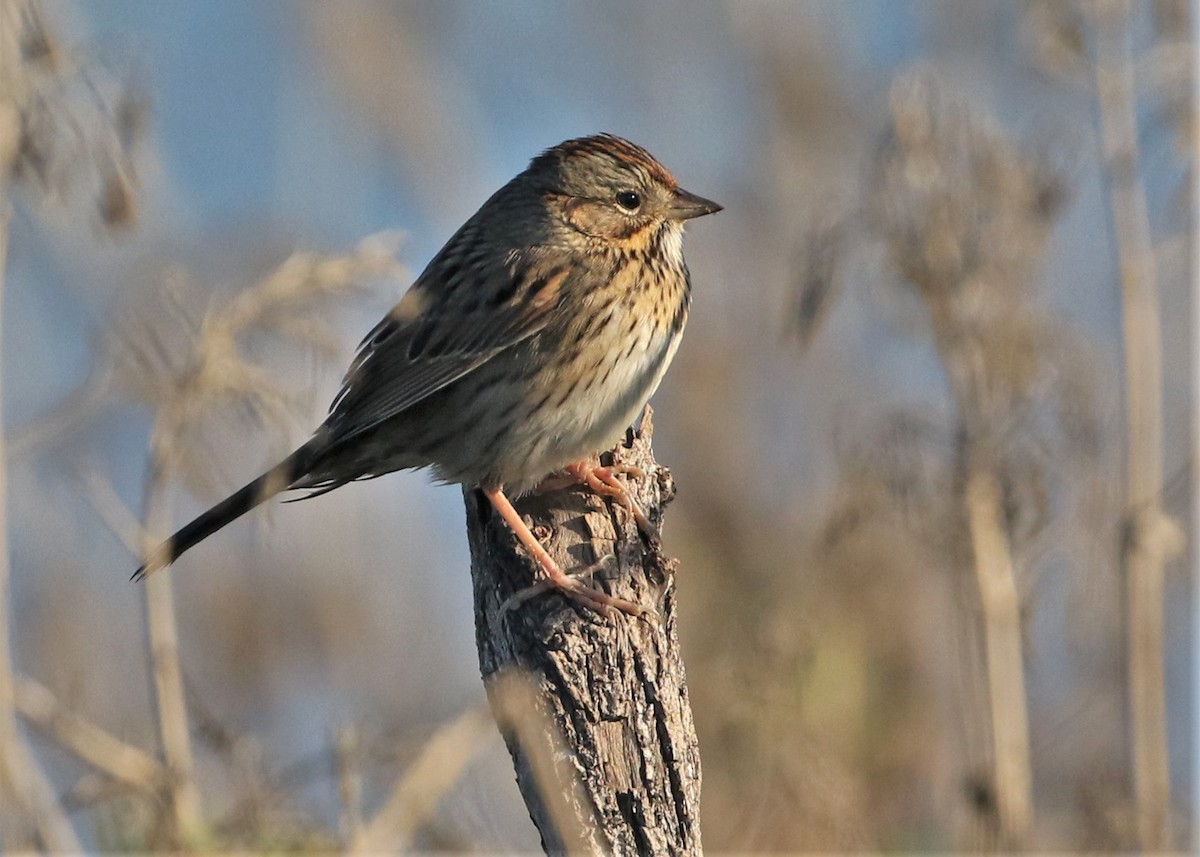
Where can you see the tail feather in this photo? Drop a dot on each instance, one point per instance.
(278, 478)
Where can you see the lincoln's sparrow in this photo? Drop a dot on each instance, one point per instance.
(531, 341)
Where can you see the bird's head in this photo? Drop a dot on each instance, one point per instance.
(613, 191)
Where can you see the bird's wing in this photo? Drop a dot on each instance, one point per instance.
(446, 325)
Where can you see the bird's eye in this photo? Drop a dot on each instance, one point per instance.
(630, 200)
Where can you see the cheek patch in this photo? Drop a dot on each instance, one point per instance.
(590, 218)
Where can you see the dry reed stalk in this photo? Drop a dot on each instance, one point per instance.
(417, 792)
(1001, 603)
(185, 387)
(27, 800)
(967, 214)
(121, 761)
(1145, 554)
(14, 798)
(51, 140)
(162, 637)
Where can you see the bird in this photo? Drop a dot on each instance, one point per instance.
(531, 341)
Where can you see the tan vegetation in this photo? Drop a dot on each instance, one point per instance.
(930, 524)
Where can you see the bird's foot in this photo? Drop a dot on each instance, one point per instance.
(602, 479)
(573, 586)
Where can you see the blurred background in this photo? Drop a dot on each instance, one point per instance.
(931, 423)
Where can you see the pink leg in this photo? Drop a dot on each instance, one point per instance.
(603, 480)
(556, 578)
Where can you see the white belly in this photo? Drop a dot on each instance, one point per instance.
(594, 417)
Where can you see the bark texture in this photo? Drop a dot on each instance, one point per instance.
(594, 709)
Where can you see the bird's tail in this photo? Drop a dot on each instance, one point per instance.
(278, 478)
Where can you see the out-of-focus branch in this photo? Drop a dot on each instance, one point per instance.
(27, 800)
(187, 385)
(416, 794)
(14, 796)
(35, 112)
(1144, 560)
(121, 521)
(1005, 665)
(163, 640)
(966, 214)
(64, 417)
(85, 739)
(25, 794)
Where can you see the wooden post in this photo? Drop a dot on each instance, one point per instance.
(594, 709)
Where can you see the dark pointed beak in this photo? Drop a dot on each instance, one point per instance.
(686, 205)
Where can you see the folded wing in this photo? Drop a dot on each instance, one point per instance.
(448, 324)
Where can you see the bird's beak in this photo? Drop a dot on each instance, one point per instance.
(687, 205)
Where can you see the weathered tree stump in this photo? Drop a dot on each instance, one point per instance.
(594, 709)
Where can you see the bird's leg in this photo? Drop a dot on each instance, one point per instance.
(603, 480)
(571, 586)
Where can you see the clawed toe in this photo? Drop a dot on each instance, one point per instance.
(603, 480)
(574, 587)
